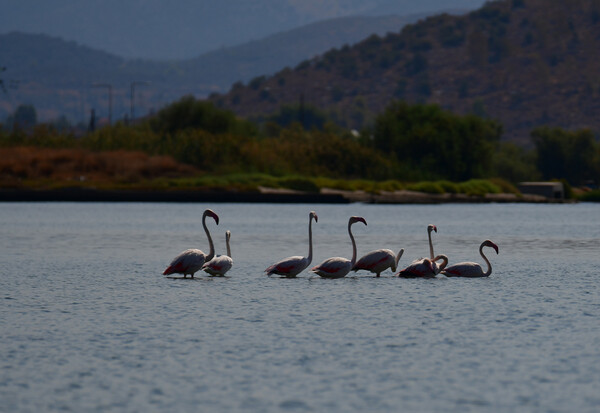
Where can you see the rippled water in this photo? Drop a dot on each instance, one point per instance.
(88, 323)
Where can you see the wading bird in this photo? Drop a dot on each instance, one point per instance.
(472, 269)
(219, 265)
(292, 266)
(378, 261)
(192, 260)
(338, 267)
(424, 268)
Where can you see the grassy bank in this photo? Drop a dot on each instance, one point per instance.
(48, 168)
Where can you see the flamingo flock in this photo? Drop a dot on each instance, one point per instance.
(193, 260)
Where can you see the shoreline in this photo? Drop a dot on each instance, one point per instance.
(264, 195)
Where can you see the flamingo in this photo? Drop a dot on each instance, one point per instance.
(292, 266)
(378, 261)
(424, 268)
(472, 269)
(191, 260)
(338, 267)
(219, 265)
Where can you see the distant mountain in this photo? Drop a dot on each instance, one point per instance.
(56, 76)
(523, 62)
(182, 29)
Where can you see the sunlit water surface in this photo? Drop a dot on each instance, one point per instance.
(88, 323)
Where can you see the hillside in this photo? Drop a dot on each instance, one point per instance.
(55, 75)
(183, 29)
(523, 62)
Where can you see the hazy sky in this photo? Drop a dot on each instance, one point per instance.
(187, 28)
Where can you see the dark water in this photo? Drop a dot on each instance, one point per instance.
(88, 323)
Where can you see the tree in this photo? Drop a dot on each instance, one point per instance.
(306, 115)
(25, 117)
(565, 154)
(189, 113)
(437, 143)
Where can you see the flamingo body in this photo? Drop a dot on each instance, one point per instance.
(424, 268)
(219, 265)
(292, 266)
(378, 261)
(289, 267)
(472, 269)
(418, 268)
(187, 262)
(191, 260)
(338, 267)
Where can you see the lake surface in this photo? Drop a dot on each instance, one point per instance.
(88, 323)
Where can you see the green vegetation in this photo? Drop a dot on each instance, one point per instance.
(437, 143)
(192, 144)
(591, 196)
(574, 156)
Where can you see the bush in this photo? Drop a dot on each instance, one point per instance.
(449, 187)
(299, 184)
(478, 187)
(505, 186)
(428, 187)
(591, 196)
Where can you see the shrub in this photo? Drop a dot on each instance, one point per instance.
(591, 196)
(478, 187)
(428, 187)
(449, 187)
(299, 184)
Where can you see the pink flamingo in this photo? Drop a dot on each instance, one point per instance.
(192, 260)
(338, 267)
(378, 261)
(472, 269)
(421, 266)
(219, 265)
(424, 268)
(292, 266)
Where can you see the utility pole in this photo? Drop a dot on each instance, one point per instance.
(109, 87)
(2, 69)
(133, 85)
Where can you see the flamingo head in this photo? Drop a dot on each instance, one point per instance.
(431, 227)
(357, 219)
(227, 235)
(313, 214)
(211, 213)
(488, 243)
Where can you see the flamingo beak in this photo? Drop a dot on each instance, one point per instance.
(216, 217)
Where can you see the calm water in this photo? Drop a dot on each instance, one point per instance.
(88, 323)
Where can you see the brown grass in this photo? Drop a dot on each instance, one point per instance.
(63, 166)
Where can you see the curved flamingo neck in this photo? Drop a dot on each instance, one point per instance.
(353, 260)
(228, 247)
(310, 249)
(444, 262)
(489, 270)
(430, 245)
(211, 252)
